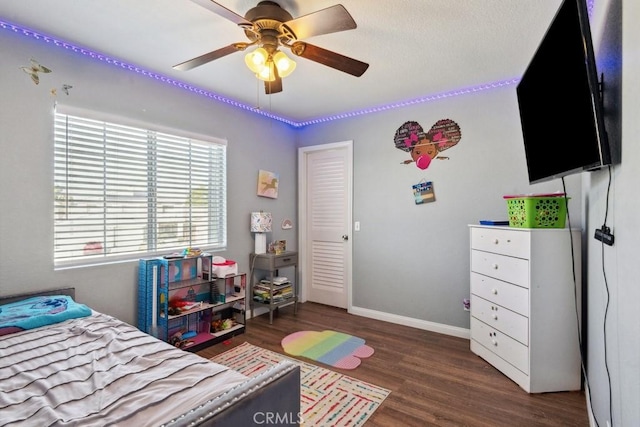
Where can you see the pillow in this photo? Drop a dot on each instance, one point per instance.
(39, 311)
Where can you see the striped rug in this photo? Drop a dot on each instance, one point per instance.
(328, 398)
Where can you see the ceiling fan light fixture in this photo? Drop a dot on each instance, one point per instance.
(266, 72)
(284, 64)
(256, 59)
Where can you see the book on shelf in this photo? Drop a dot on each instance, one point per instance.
(259, 290)
(265, 282)
(264, 294)
(265, 299)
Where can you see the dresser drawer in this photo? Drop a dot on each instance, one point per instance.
(517, 354)
(501, 241)
(509, 269)
(506, 294)
(509, 322)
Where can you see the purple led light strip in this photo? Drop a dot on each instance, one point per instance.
(112, 61)
(414, 101)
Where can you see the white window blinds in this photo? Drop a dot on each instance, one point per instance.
(123, 192)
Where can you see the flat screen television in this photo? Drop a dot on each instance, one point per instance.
(559, 100)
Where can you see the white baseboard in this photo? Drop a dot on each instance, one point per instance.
(395, 318)
(409, 321)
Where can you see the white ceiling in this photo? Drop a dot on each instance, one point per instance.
(414, 48)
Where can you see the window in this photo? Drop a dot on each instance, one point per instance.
(125, 192)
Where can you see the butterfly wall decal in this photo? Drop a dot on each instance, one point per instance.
(65, 88)
(34, 69)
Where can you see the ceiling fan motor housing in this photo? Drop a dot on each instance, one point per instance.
(267, 19)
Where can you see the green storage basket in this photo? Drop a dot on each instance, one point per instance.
(537, 212)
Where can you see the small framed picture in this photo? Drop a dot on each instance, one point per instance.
(277, 247)
(268, 184)
(423, 192)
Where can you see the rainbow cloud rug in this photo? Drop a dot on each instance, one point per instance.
(329, 347)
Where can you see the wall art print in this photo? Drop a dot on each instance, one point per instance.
(423, 146)
(268, 184)
(423, 192)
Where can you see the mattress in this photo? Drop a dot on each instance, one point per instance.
(98, 371)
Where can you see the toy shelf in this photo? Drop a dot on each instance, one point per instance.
(166, 285)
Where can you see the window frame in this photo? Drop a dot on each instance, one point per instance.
(205, 164)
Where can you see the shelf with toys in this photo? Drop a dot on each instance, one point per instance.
(180, 301)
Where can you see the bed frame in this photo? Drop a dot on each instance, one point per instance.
(18, 297)
(274, 394)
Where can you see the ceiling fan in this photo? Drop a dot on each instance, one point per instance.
(270, 27)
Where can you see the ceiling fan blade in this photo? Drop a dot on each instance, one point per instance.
(274, 86)
(223, 11)
(329, 58)
(208, 57)
(324, 21)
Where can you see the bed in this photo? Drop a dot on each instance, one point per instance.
(92, 369)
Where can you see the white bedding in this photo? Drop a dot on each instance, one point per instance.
(99, 371)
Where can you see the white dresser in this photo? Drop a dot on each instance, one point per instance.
(523, 304)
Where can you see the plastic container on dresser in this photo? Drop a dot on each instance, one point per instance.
(176, 303)
(525, 305)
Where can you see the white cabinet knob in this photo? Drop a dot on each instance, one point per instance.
(495, 266)
(495, 316)
(496, 241)
(494, 342)
(494, 291)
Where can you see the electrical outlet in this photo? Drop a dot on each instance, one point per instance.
(356, 226)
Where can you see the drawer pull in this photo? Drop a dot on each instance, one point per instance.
(494, 342)
(286, 259)
(494, 316)
(494, 291)
(495, 266)
(496, 241)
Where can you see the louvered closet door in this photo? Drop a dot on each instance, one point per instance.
(328, 225)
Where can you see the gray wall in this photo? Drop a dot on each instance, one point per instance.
(26, 165)
(413, 260)
(613, 342)
(409, 261)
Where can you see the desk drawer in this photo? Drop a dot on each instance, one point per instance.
(511, 323)
(501, 241)
(517, 354)
(273, 262)
(509, 269)
(285, 260)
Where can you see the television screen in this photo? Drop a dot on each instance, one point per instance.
(559, 100)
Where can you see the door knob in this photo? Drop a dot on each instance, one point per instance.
(345, 237)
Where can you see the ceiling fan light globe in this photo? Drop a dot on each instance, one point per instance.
(256, 59)
(266, 73)
(284, 65)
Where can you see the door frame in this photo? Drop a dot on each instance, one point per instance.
(303, 258)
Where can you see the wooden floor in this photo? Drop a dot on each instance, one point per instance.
(434, 379)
